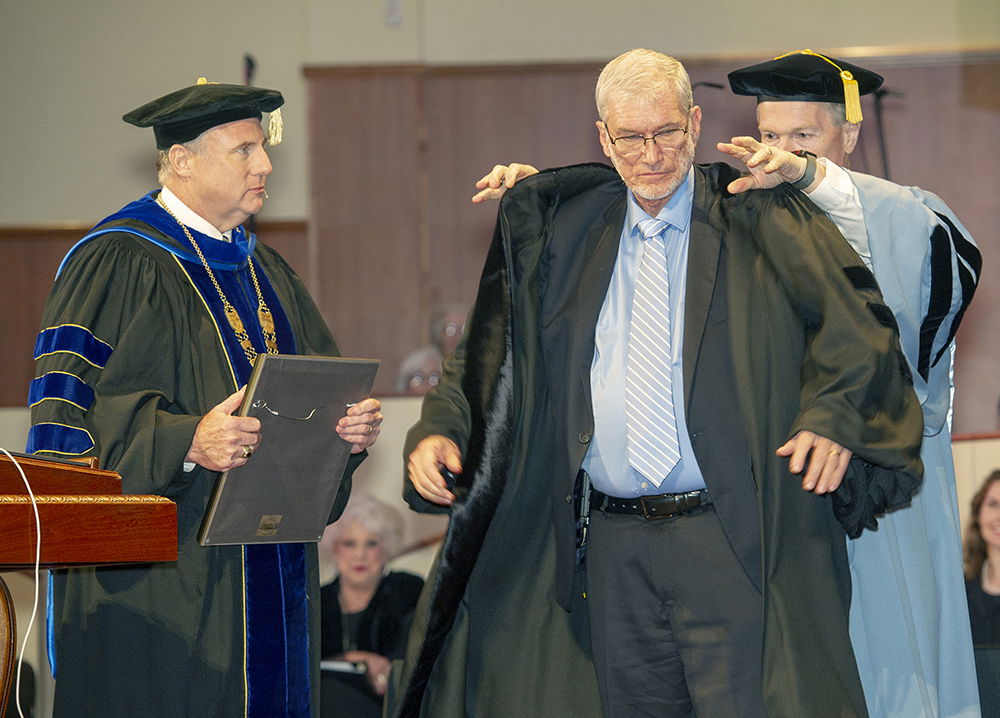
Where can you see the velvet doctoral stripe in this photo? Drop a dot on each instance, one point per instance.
(59, 439)
(277, 661)
(73, 339)
(277, 618)
(61, 386)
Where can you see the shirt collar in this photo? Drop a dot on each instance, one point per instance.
(677, 210)
(187, 216)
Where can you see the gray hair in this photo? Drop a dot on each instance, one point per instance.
(642, 74)
(837, 112)
(375, 516)
(163, 169)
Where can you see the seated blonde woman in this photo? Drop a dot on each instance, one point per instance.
(367, 611)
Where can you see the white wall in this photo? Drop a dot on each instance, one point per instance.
(70, 69)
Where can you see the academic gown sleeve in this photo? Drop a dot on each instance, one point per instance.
(863, 400)
(124, 338)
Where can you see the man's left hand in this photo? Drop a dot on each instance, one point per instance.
(828, 461)
(768, 165)
(500, 179)
(361, 425)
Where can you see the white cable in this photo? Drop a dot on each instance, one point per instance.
(38, 560)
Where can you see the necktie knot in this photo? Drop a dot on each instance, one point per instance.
(652, 227)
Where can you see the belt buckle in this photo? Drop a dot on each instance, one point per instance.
(653, 516)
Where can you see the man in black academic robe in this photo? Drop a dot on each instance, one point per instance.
(139, 363)
(775, 343)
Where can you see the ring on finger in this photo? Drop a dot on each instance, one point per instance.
(247, 450)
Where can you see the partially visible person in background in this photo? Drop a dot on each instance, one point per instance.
(982, 563)
(366, 612)
(448, 326)
(419, 371)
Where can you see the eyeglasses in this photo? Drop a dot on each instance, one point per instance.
(633, 145)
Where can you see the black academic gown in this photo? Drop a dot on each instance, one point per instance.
(169, 639)
(811, 349)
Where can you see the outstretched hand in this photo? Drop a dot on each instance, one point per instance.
(500, 179)
(768, 165)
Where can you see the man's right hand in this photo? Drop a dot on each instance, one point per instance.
(769, 166)
(424, 466)
(501, 179)
(219, 441)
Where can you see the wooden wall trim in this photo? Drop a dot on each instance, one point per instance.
(314, 72)
(975, 437)
(78, 229)
(31, 254)
(46, 231)
(893, 56)
(442, 127)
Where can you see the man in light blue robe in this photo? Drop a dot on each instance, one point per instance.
(909, 618)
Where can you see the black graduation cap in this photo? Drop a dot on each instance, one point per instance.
(183, 115)
(807, 76)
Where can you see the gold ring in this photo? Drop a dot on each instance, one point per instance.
(834, 452)
(247, 450)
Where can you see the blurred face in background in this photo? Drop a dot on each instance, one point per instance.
(424, 378)
(360, 557)
(452, 328)
(989, 517)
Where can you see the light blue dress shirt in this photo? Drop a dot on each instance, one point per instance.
(607, 458)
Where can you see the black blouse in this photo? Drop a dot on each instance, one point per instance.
(984, 614)
(382, 627)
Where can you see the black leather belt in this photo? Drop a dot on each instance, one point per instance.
(660, 506)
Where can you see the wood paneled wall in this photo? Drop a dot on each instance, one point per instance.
(395, 152)
(29, 258)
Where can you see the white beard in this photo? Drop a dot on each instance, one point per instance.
(655, 192)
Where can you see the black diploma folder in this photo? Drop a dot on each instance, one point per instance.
(285, 492)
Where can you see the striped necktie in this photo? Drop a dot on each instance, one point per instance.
(653, 448)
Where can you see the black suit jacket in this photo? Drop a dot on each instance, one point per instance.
(578, 266)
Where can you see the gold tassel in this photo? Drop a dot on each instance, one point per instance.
(276, 128)
(852, 98)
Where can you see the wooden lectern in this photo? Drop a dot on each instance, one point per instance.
(85, 521)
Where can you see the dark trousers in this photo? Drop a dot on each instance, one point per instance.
(676, 624)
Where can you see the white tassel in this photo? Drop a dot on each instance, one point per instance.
(275, 128)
